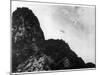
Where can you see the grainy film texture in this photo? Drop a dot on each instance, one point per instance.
(50, 37)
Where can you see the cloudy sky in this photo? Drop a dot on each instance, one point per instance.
(73, 23)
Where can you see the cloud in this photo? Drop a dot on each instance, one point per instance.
(74, 24)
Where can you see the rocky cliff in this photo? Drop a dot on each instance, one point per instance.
(30, 50)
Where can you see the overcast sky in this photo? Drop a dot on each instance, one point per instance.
(73, 23)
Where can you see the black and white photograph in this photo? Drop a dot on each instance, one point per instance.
(49, 37)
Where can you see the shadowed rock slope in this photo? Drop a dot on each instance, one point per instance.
(31, 52)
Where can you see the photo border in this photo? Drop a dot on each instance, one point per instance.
(52, 71)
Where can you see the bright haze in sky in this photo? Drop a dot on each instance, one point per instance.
(75, 24)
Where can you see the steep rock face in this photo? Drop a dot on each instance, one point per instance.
(26, 35)
(31, 52)
(26, 26)
(34, 63)
(57, 55)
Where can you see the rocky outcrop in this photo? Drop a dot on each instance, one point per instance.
(30, 50)
(62, 54)
(26, 35)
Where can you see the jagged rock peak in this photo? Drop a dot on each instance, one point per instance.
(25, 25)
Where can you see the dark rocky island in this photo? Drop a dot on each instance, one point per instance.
(31, 52)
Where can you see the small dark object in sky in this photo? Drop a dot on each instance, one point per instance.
(62, 31)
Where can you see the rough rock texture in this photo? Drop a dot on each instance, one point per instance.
(26, 35)
(34, 63)
(31, 52)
